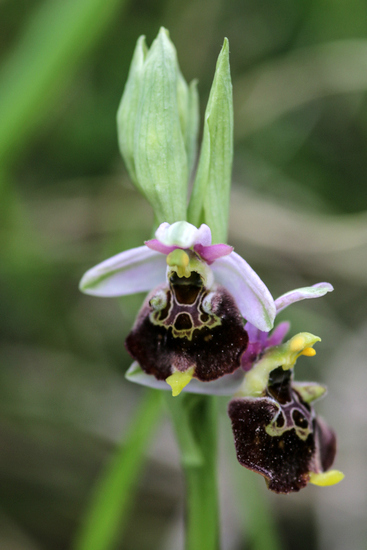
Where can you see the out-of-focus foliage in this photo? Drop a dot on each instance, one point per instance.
(299, 215)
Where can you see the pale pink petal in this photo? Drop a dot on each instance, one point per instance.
(213, 252)
(136, 270)
(315, 291)
(251, 355)
(253, 299)
(260, 341)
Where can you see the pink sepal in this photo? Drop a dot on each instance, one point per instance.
(213, 252)
(155, 244)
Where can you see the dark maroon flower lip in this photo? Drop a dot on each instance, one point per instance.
(284, 442)
(276, 431)
(192, 329)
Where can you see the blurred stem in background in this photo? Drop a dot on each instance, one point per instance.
(253, 509)
(109, 505)
(260, 529)
(43, 63)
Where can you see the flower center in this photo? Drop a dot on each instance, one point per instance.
(179, 260)
(186, 267)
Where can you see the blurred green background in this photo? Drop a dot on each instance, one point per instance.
(299, 216)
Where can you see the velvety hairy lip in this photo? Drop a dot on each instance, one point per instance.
(213, 346)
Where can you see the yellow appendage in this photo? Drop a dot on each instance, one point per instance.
(180, 259)
(178, 380)
(309, 352)
(328, 478)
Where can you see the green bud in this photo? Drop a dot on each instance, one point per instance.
(127, 111)
(188, 106)
(157, 126)
(210, 196)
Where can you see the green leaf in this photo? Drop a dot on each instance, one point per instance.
(188, 104)
(108, 507)
(210, 196)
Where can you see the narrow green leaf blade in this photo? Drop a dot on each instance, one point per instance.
(109, 505)
(210, 195)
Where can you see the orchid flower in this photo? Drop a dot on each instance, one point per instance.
(276, 430)
(191, 323)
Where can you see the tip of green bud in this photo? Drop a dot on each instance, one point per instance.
(157, 126)
(163, 32)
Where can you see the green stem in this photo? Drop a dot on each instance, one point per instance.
(195, 421)
(109, 506)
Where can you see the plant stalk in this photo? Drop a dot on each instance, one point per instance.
(198, 413)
